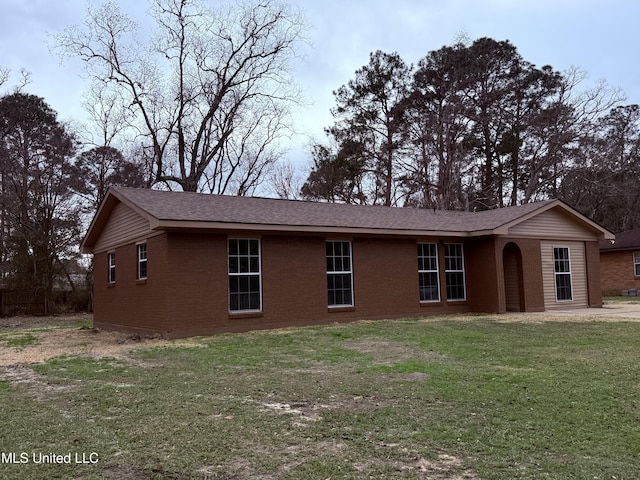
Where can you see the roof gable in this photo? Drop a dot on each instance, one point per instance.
(123, 226)
(555, 223)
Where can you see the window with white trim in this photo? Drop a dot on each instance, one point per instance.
(636, 264)
(339, 274)
(142, 261)
(428, 272)
(454, 271)
(562, 270)
(245, 281)
(111, 267)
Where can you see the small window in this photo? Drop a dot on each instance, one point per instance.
(244, 275)
(339, 274)
(428, 272)
(454, 271)
(142, 261)
(636, 264)
(562, 269)
(111, 262)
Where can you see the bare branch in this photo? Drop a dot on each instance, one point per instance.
(195, 92)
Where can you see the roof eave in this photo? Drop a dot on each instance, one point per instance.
(488, 231)
(627, 248)
(319, 229)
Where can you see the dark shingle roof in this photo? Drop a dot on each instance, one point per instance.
(195, 207)
(183, 210)
(629, 240)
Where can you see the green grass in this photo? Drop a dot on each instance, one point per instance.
(620, 299)
(455, 398)
(20, 341)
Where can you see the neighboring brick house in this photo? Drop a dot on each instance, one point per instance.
(180, 264)
(620, 264)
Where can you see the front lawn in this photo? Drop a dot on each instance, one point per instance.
(466, 398)
(620, 299)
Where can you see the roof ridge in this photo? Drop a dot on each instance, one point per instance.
(290, 200)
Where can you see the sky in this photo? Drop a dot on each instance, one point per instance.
(601, 37)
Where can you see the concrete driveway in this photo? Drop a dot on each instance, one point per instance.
(629, 311)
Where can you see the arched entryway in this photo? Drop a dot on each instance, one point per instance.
(513, 287)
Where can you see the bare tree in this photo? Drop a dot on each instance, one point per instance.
(25, 78)
(557, 139)
(604, 183)
(286, 180)
(4, 75)
(101, 168)
(208, 97)
(108, 115)
(106, 164)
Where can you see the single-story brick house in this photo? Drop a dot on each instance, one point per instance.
(620, 263)
(180, 264)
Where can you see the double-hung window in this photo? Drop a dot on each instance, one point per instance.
(454, 271)
(339, 274)
(244, 275)
(428, 272)
(636, 264)
(142, 261)
(111, 266)
(562, 270)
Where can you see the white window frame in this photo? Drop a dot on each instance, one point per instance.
(432, 271)
(556, 273)
(250, 273)
(464, 274)
(111, 267)
(141, 261)
(636, 264)
(332, 272)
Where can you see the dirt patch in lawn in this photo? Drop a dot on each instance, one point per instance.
(446, 467)
(29, 323)
(388, 352)
(24, 376)
(47, 340)
(84, 341)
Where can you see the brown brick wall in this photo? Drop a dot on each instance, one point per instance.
(532, 274)
(198, 278)
(385, 276)
(186, 292)
(593, 271)
(129, 304)
(616, 272)
(294, 285)
(385, 282)
(482, 276)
